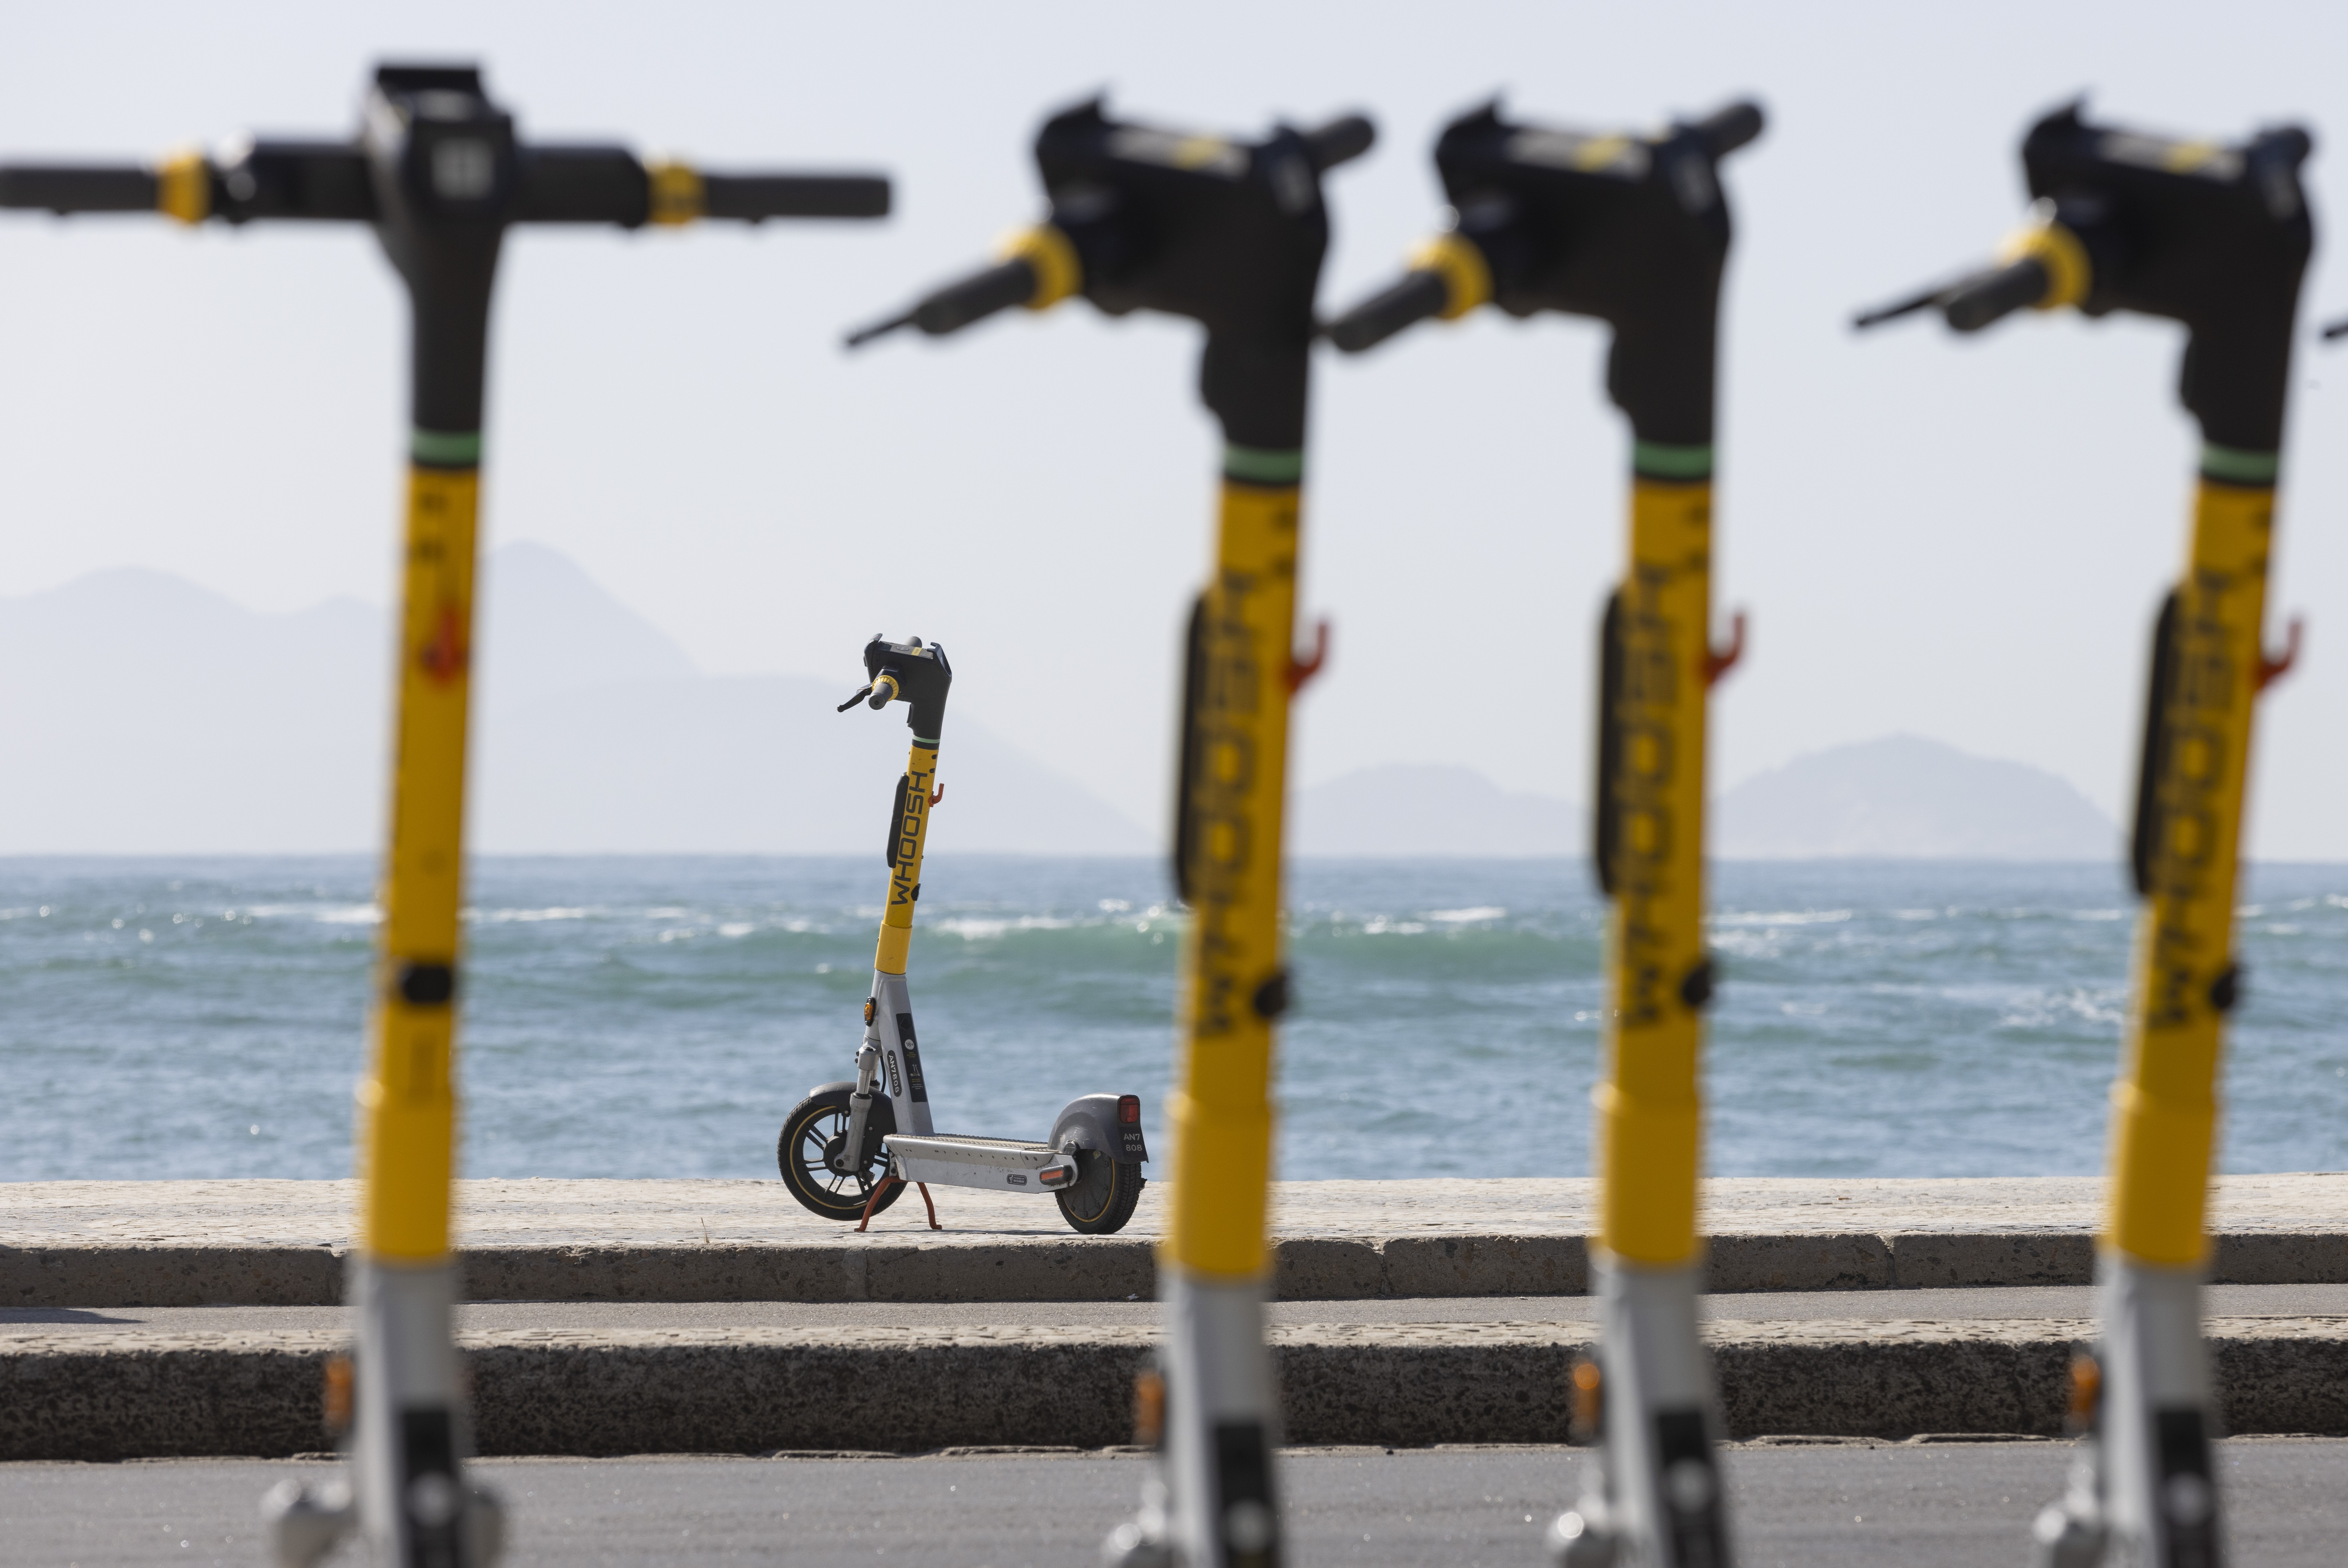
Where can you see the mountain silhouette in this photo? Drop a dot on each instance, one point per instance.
(1906, 797)
(140, 713)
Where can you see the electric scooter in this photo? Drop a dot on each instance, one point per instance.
(1092, 1161)
(438, 170)
(1635, 231)
(2215, 236)
(1230, 234)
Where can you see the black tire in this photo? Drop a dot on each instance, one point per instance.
(1101, 1199)
(812, 1133)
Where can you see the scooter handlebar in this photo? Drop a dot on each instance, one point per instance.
(556, 185)
(1989, 296)
(1724, 130)
(1419, 295)
(1341, 140)
(611, 185)
(1972, 301)
(755, 197)
(962, 303)
(78, 187)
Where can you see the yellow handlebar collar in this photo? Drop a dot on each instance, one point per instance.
(1466, 280)
(1058, 272)
(183, 186)
(885, 688)
(2059, 250)
(677, 192)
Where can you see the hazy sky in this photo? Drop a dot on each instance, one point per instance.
(1963, 541)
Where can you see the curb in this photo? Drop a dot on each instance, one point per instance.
(1073, 1268)
(114, 1396)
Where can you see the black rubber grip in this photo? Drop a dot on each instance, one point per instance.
(582, 185)
(1606, 812)
(1726, 129)
(976, 297)
(1346, 137)
(1991, 296)
(64, 188)
(1190, 751)
(2145, 835)
(897, 817)
(752, 196)
(1419, 295)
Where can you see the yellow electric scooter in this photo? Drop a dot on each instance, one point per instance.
(1633, 230)
(1230, 234)
(1091, 1163)
(439, 171)
(2216, 236)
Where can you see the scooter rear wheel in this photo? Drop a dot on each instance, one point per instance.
(813, 1135)
(1101, 1199)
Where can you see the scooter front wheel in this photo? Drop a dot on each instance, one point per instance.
(1101, 1199)
(813, 1135)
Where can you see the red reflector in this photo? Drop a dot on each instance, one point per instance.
(1053, 1177)
(1129, 1107)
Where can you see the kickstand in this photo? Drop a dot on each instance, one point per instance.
(885, 1184)
(878, 1187)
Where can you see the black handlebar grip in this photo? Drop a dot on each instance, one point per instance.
(1419, 295)
(65, 188)
(1346, 137)
(1727, 129)
(1989, 296)
(976, 297)
(752, 196)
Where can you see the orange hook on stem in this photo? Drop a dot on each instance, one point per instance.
(1719, 661)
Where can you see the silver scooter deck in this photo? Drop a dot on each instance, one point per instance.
(998, 1165)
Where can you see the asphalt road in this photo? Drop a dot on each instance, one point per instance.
(2053, 1301)
(1804, 1506)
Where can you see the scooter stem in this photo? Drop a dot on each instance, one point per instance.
(2216, 237)
(1633, 230)
(440, 174)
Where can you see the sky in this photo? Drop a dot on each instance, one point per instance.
(1961, 540)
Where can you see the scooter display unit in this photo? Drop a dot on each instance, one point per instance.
(848, 1148)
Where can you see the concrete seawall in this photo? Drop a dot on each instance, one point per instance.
(170, 1244)
(105, 1396)
(1049, 1268)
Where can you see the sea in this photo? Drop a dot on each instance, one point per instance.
(646, 1016)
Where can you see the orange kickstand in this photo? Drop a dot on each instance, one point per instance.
(884, 1184)
(878, 1187)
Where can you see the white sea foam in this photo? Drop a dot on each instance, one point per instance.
(1784, 918)
(983, 929)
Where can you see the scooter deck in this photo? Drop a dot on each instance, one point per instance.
(947, 1159)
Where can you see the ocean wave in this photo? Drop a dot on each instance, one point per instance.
(1784, 918)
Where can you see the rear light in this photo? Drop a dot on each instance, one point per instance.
(1128, 1109)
